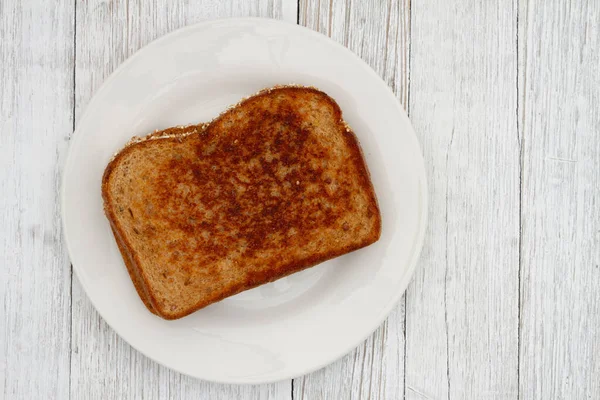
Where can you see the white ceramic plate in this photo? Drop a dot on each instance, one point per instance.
(297, 324)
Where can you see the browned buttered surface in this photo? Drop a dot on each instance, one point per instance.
(274, 185)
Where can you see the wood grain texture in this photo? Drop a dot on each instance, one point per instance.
(505, 101)
(379, 33)
(462, 305)
(103, 365)
(36, 103)
(560, 274)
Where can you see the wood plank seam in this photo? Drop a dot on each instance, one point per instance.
(521, 161)
(407, 108)
(521, 78)
(72, 133)
(447, 267)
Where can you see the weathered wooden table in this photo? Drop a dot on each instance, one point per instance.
(505, 99)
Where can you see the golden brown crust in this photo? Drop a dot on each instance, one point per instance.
(138, 283)
(251, 230)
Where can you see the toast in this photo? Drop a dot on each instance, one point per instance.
(272, 186)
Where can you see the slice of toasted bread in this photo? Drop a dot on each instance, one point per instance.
(272, 186)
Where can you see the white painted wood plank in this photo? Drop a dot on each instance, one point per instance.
(289, 11)
(103, 365)
(560, 274)
(462, 306)
(36, 104)
(379, 33)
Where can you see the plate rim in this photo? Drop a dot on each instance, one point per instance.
(420, 173)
